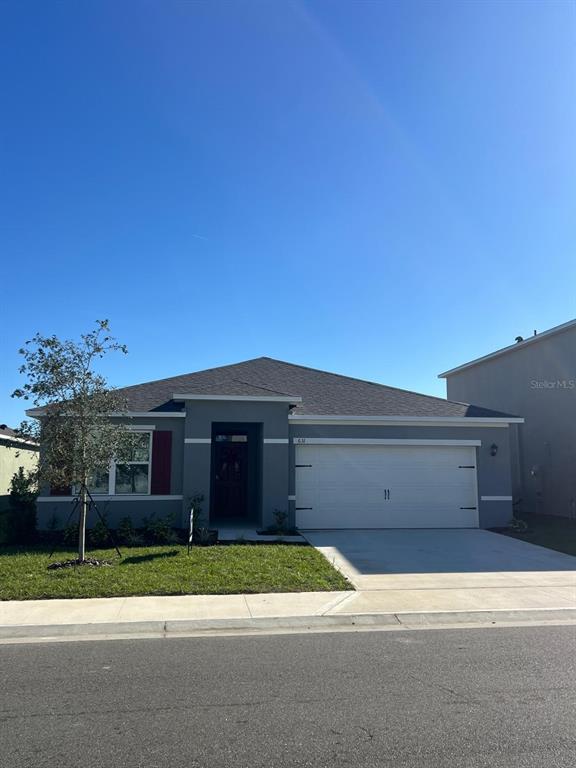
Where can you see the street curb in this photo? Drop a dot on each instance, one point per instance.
(186, 626)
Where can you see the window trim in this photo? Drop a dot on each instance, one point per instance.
(112, 470)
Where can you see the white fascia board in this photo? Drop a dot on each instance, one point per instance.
(511, 348)
(242, 398)
(115, 497)
(35, 412)
(20, 442)
(149, 415)
(379, 441)
(405, 421)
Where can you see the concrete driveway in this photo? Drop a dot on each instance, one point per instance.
(404, 570)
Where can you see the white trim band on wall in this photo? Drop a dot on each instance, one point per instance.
(116, 497)
(208, 440)
(291, 498)
(378, 441)
(35, 412)
(242, 398)
(149, 415)
(495, 498)
(422, 421)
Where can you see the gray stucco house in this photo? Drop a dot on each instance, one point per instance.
(330, 451)
(536, 378)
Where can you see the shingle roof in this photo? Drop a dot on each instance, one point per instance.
(11, 435)
(322, 393)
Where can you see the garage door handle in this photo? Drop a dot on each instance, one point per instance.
(468, 507)
(466, 466)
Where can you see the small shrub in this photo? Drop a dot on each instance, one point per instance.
(517, 525)
(205, 537)
(125, 530)
(23, 491)
(158, 530)
(70, 535)
(281, 518)
(99, 535)
(173, 537)
(20, 519)
(127, 534)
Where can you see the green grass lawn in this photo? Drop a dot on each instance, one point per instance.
(549, 531)
(168, 570)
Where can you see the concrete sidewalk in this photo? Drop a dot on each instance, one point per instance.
(393, 605)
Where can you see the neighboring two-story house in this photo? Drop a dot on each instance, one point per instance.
(536, 379)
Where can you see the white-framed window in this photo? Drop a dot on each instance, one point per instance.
(128, 477)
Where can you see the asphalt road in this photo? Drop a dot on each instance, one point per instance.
(487, 697)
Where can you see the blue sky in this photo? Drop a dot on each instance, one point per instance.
(383, 189)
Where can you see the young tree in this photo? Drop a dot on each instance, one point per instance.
(78, 439)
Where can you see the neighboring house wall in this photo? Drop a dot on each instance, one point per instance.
(538, 382)
(14, 455)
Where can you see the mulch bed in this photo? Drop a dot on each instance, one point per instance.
(90, 561)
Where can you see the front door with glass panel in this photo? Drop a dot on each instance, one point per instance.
(230, 476)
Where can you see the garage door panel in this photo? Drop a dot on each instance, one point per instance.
(376, 486)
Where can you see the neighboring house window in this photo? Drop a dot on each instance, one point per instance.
(128, 477)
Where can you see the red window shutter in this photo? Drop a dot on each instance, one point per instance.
(161, 462)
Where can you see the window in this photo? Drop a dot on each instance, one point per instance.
(129, 477)
(100, 483)
(134, 476)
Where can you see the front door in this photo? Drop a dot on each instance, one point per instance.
(230, 473)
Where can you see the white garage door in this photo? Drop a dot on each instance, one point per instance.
(386, 486)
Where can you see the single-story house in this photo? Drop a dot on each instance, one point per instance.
(536, 378)
(263, 437)
(15, 452)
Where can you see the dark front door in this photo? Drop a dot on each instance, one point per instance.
(230, 479)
